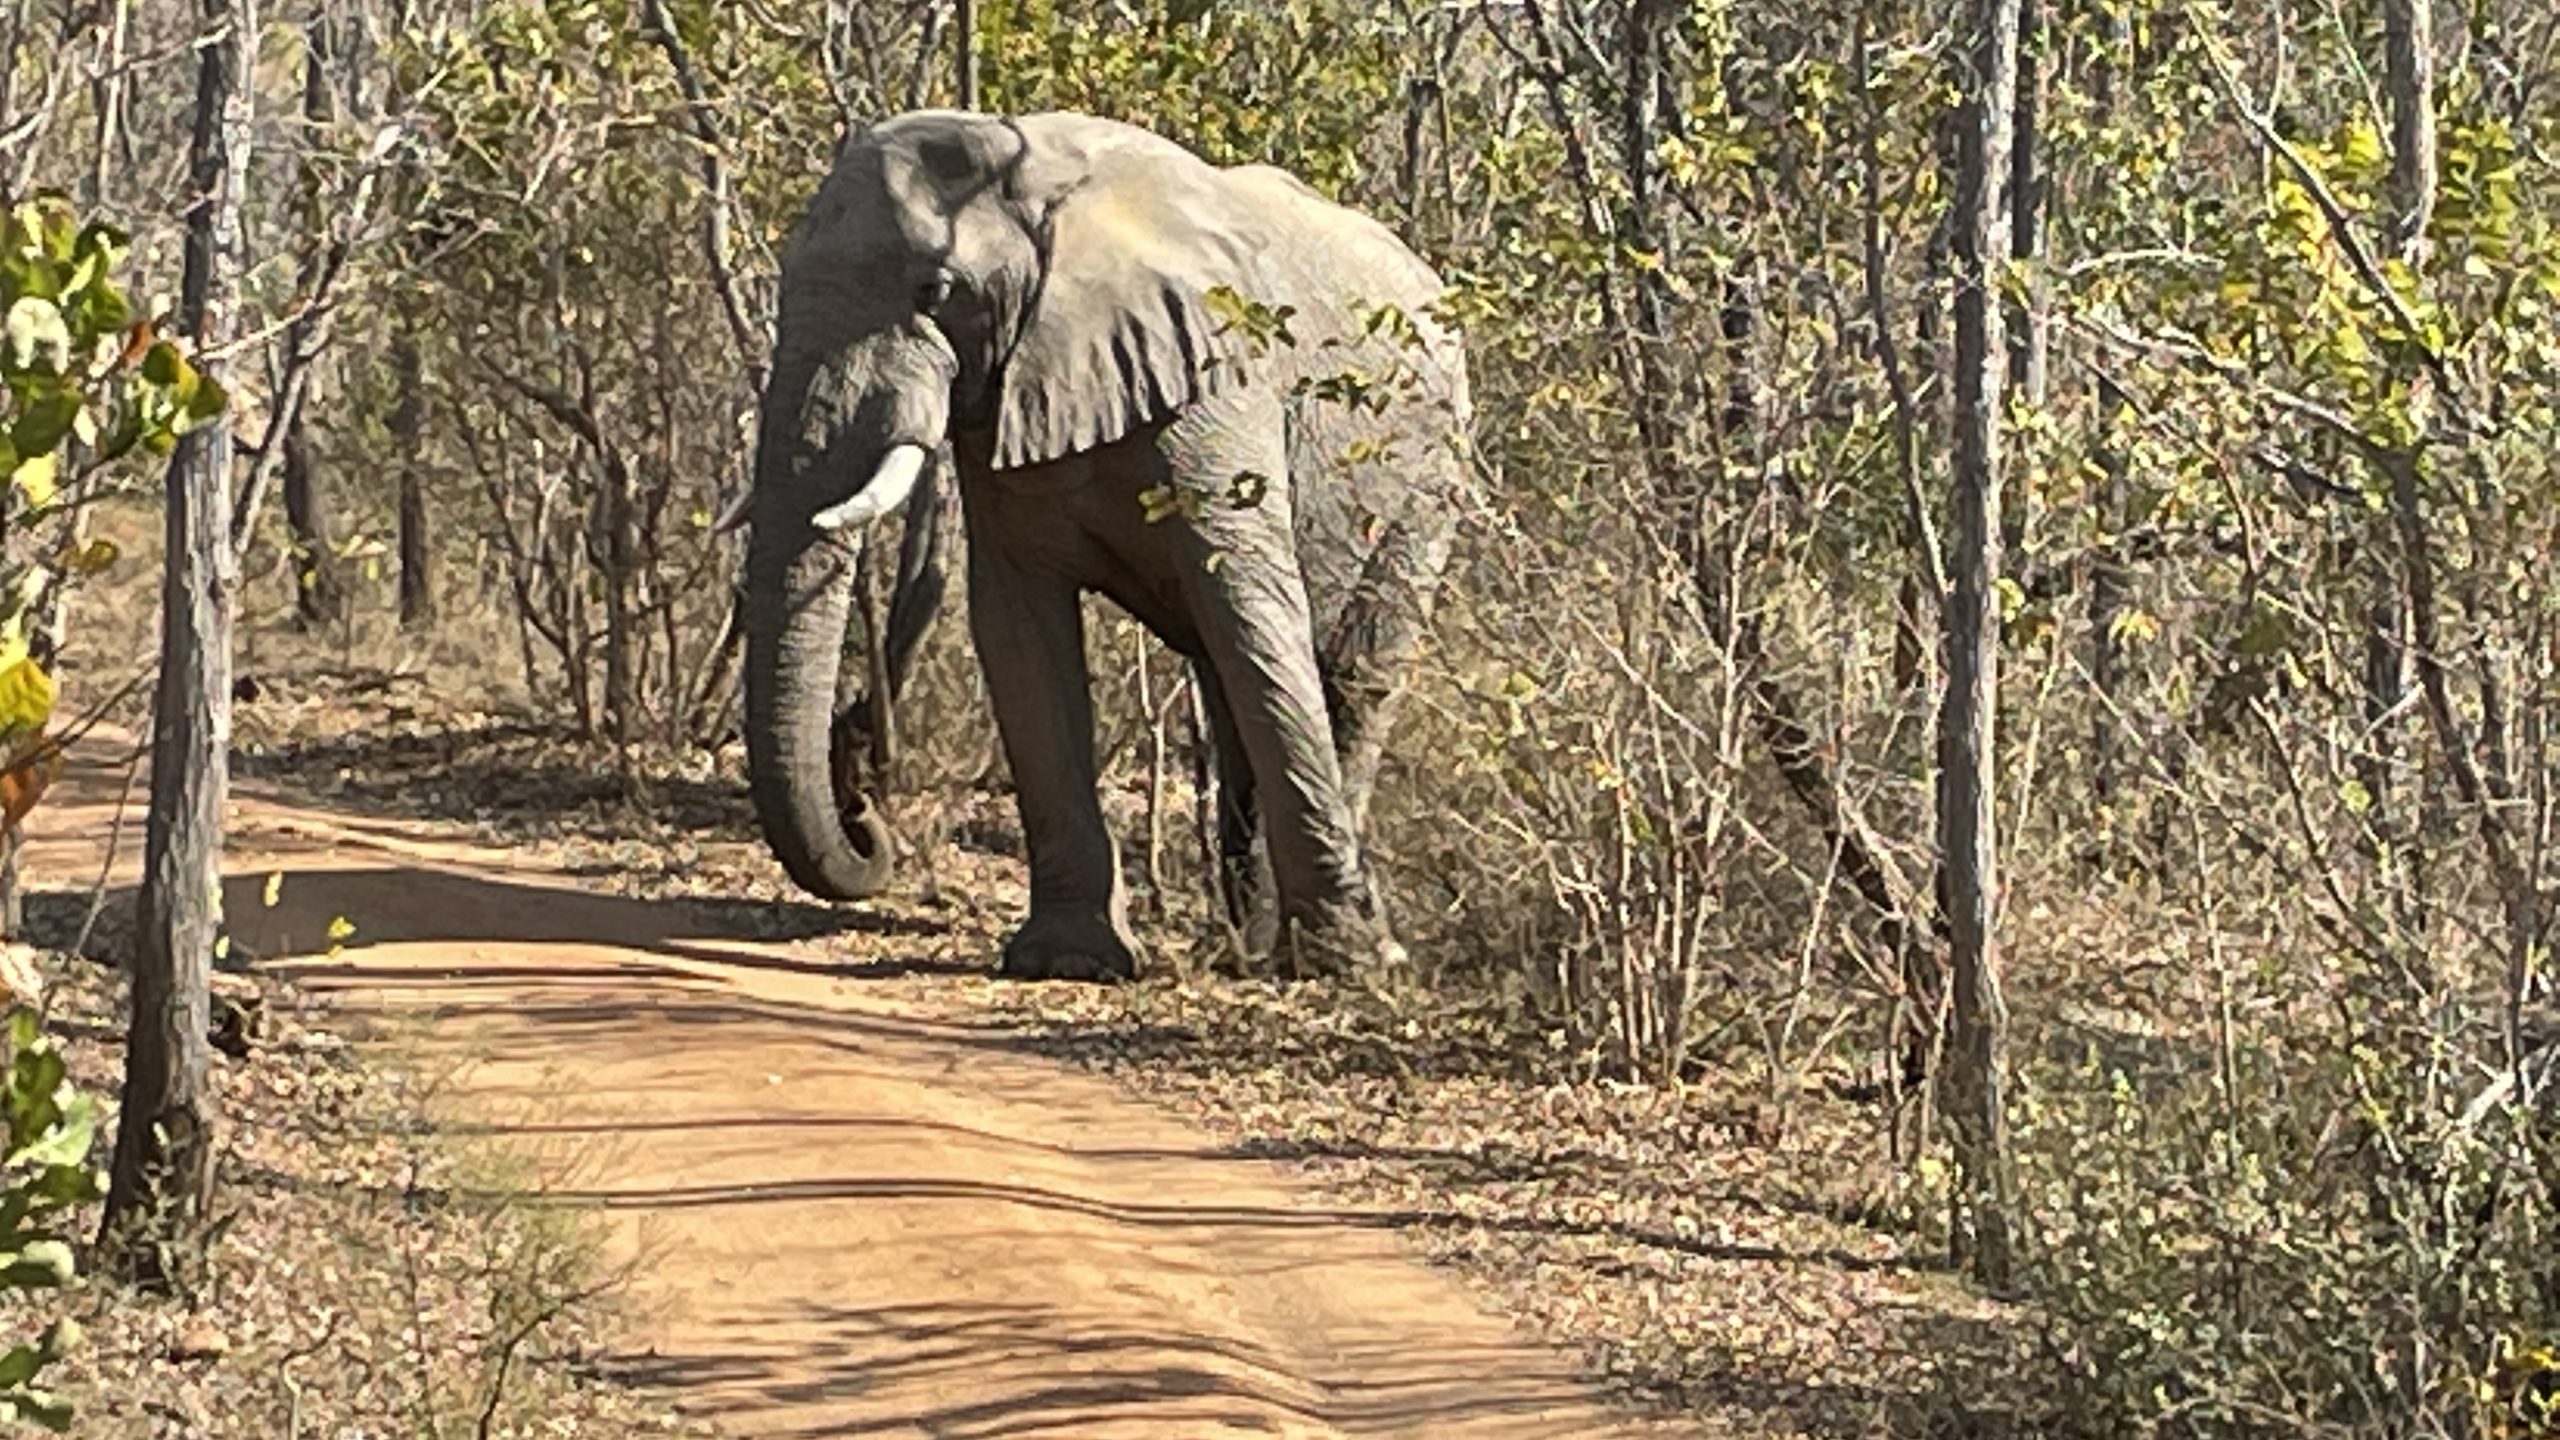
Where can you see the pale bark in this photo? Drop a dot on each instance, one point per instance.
(2409, 62)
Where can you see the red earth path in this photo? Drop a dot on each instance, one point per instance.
(853, 1212)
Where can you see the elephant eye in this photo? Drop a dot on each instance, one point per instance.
(931, 294)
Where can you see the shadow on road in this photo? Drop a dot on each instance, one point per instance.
(1066, 1376)
(311, 912)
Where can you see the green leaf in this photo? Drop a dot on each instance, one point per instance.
(89, 559)
(42, 1265)
(65, 1145)
(100, 248)
(205, 404)
(47, 226)
(163, 365)
(43, 422)
(39, 1408)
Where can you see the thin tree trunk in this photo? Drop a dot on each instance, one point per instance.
(107, 97)
(319, 580)
(1973, 1078)
(319, 587)
(964, 26)
(163, 1167)
(2027, 328)
(2107, 577)
(2409, 61)
(13, 898)
(1154, 714)
(2409, 78)
(408, 421)
(614, 557)
(2109, 574)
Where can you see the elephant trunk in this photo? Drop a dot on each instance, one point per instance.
(800, 570)
(817, 822)
(846, 434)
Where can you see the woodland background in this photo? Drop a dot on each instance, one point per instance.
(2274, 761)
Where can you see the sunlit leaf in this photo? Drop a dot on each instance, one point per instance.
(34, 478)
(38, 339)
(26, 696)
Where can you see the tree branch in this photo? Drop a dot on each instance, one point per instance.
(655, 26)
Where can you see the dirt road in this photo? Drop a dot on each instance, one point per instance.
(853, 1212)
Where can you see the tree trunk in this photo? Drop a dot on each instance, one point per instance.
(2409, 62)
(2409, 77)
(13, 897)
(613, 556)
(107, 90)
(2108, 577)
(1974, 1075)
(319, 587)
(319, 581)
(2027, 328)
(2111, 495)
(163, 1167)
(408, 420)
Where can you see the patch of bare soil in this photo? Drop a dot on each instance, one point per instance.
(1698, 1248)
(371, 1277)
(1694, 1249)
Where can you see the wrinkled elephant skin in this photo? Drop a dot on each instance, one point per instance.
(1086, 318)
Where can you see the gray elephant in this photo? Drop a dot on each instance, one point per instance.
(1206, 393)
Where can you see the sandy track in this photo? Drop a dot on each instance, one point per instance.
(853, 1212)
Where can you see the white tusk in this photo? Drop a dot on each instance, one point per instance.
(736, 515)
(890, 485)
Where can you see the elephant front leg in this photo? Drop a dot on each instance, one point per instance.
(1029, 633)
(1249, 602)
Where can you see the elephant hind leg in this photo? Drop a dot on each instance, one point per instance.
(1244, 868)
(1366, 654)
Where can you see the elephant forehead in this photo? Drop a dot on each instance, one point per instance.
(946, 158)
(873, 221)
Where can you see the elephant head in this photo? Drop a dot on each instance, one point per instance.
(1024, 289)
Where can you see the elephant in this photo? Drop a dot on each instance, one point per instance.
(1205, 393)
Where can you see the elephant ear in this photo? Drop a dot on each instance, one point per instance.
(1121, 332)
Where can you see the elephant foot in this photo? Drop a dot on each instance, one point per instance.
(1089, 948)
(1334, 943)
(1260, 933)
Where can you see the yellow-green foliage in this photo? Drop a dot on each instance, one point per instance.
(88, 385)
